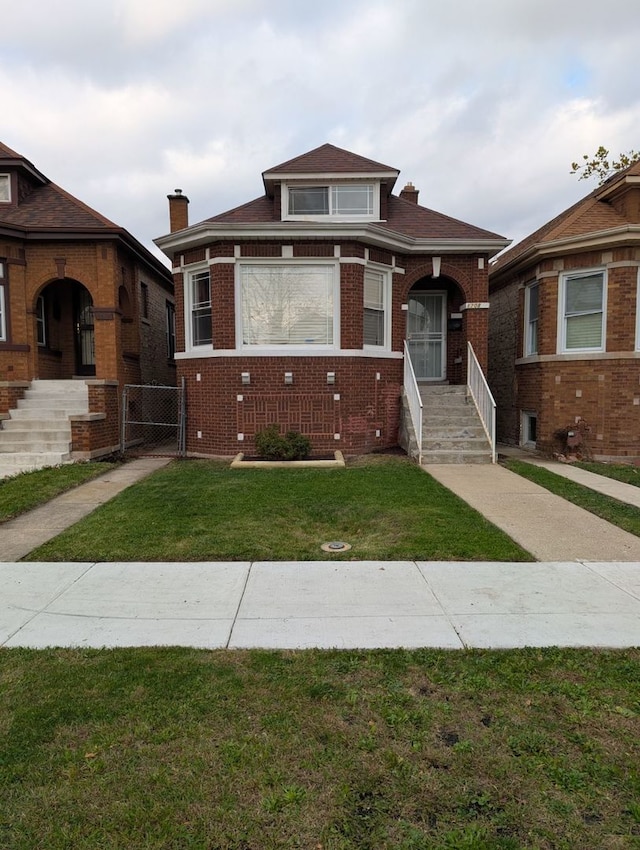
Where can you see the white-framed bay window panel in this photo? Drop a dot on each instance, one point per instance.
(5, 188)
(531, 309)
(583, 311)
(288, 304)
(376, 309)
(200, 308)
(340, 200)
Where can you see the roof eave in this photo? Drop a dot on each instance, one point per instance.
(371, 234)
(270, 178)
(598, 239)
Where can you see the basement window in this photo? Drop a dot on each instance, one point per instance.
(529, 430)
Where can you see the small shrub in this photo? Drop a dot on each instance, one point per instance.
(272, 445)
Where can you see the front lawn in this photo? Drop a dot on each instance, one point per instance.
(172, 749)
(28, 490)
(384, 506)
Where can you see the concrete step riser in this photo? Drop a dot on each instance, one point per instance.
(35, 447)
(44, 415)
(452, 433)
(454, 445)
(29, 425)
(455, 457)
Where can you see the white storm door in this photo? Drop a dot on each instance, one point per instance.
(426, 335)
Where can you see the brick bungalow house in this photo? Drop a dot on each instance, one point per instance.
(564, 342)
(84, 309)
(294, 308)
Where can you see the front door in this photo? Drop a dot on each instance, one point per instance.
(84, 332)
(426, 335)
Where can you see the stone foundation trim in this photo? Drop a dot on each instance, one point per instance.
(285, 353)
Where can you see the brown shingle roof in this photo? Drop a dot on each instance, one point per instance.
(329, 158)
(50, 207)
(588, 215)
(404, 217)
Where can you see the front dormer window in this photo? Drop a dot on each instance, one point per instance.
(342, 200)
(5, 189)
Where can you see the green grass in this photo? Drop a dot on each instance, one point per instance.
(425, 750)
(625, 516)
(384, 506)
(620, 472)
(26, 491)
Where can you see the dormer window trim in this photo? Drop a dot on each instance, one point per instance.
(5, 188)
(331, 206)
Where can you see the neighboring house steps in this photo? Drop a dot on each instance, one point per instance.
(452, 431)
(38, 432)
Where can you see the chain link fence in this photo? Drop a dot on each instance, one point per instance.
(153, 420)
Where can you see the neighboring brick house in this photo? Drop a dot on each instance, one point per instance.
(294, 308)
(564, 344)
(79, 298)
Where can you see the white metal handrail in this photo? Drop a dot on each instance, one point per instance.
(482, 398)
(414, 399)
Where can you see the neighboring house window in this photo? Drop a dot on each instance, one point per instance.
(529, 429)
(531, 306)
(144, 300)
(348, 200)
(171, 329)
(583, 311)
(200, 293)
(5, 188)
(375, 308)
(287, 304)
(3, 312)
(41, 327)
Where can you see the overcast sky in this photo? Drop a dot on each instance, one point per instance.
(482, 104)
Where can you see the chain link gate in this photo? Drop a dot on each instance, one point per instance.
(153, 419)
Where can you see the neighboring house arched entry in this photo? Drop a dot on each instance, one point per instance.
(434, 330)
(65, 330)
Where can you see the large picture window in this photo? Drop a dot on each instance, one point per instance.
(531, 308)
(348, 199)
(200, 291)
(375, 308)
(287, 304)
(583, 311)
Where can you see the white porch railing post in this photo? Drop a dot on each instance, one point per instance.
(414, 399)
(482, 398)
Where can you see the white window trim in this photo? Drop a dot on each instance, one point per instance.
(374, 216)
(3, 312)
(562, 326)
(282, 349)
(387, 303)
(6, 200)
(527, 352)
(638, 313)
(188, 308)
(525, 418)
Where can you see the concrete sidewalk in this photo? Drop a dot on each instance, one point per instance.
(320, 604)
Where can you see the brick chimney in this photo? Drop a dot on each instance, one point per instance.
(178, 211)
(410, 193)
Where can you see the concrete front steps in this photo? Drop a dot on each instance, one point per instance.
(451, 428)
(38, 432)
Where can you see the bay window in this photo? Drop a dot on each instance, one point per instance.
(583, 298)
(287, 304)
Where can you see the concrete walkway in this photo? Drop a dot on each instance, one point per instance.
(25, 533)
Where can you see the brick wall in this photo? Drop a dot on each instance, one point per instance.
(603, 390)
